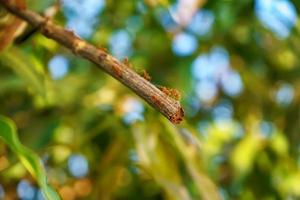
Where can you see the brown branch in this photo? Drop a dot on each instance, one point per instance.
(156, 98)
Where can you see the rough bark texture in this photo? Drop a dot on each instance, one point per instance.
(168, 106)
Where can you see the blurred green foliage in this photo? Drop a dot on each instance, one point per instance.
(28, 158)
(98, 140)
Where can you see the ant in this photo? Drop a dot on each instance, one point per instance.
(173, 93)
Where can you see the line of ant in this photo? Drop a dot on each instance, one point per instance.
(173, 93)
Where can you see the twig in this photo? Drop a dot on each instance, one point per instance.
(157, 99)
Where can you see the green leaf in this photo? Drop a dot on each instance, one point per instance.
(189, 148)
(28, 158)
(31, 71)
(15, 60)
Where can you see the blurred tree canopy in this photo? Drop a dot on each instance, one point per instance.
(235, 63)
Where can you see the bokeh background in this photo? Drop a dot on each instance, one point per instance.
(235, 64)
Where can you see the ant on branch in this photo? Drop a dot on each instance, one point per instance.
(126, 62)
(171, 92)
(146, 76)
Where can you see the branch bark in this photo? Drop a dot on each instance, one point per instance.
(166, 105)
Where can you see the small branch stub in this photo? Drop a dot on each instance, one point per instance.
(141, 85)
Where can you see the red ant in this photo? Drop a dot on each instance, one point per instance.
(173, 93)
(146, 76)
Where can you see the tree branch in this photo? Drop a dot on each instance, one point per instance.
(166, 105)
